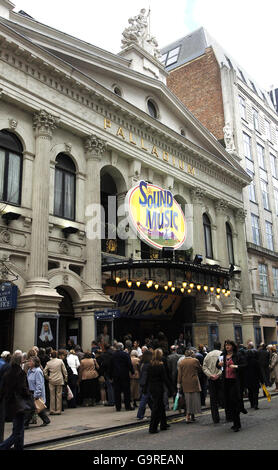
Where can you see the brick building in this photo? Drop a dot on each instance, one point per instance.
(218, 91)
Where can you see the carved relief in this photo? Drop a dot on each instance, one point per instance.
(5, 236)
(13, 124)
(95, 145)
(64, 248)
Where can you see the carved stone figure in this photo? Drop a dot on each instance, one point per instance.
(229, 138)
(137, 33)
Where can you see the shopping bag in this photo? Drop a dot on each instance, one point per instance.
(69, 394)
(176, 402)
(268, 396)
(39, 404)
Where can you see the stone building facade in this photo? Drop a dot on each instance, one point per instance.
(79, 124)
(218, 91)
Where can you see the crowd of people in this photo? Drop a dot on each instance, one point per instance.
(44, 382)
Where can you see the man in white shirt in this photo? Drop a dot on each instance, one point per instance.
(214, 380)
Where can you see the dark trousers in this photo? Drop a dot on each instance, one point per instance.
(232, 401)
(73, 387)
(110, 391)
(253, 395)
(158, 412)
(2, 420)
(144, 401)
(121, 386)
(216, 398)
(16, 439)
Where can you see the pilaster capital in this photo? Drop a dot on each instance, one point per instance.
(94, 146)
(221, 206)
(44, 123)
(197, 195)
(240, 215)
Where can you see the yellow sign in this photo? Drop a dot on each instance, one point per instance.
(156, 216)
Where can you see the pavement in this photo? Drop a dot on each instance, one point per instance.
(82, 421)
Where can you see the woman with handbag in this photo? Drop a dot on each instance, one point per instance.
(88, 378)
(17, 400)
(36, 386)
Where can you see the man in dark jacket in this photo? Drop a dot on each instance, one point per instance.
(253, 375)
(264, 357)
(120, 366)
(4, 365)
(105, 362)
(172, 361)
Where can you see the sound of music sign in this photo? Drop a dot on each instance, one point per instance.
(156, 216)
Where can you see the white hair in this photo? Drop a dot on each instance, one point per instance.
(134, 353)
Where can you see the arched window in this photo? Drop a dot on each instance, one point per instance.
(152, 109)
(229, 235)
(10, 168)
(64, 191)
(208, 238)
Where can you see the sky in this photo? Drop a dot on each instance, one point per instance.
(246, 29)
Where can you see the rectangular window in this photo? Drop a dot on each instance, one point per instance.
(264, 188)
(273, 165)
(268, 130)
(255, 229)
(252, 192)
(256, 119)
(170, 57)
(275, 191)
(275, 281)
(263, 279)
(260, 152)
(242, 107)
(247, 148)
(269, 235)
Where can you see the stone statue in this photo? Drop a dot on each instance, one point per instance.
(229, 138)
(137, 33)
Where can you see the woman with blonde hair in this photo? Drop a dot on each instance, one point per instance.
(273, 365)
(155, 381)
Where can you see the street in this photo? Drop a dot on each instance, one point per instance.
(258, 433)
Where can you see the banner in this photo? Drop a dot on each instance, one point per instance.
(142, 304)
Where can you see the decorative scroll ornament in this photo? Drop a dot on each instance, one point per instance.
(137, 33)
(95, 145)
(241, 215)
(221, 206)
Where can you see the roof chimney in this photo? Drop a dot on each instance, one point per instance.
(5, 7)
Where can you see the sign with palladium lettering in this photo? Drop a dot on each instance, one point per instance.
(156, 216)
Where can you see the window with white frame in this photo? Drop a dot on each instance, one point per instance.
(242, 107)
(273, 165)
(256, 119)
(275, 280)
(247, 146)
(269, 235)
(251, 187)
(170, 57)
(263, 274)
(255, 223)
(260, 153)
(264, 188)
(275, 191)
(268, 130)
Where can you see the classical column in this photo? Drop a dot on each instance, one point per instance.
(93, 296)
(38, 297)
(221, 208)
(44, 124)
(250, 317)
(197, 199)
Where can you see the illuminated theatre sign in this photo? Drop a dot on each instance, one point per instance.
(156, 216)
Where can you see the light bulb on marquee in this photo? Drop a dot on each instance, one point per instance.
(156, 286)
(166, 287)
(191, 285)
(117, 280)
(199, 287)
(173, 289)
(170, 283)
(184, 285)
(138, 283)
(205, 288)
(182, 290)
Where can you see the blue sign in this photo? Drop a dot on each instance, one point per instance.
(107, 314)
(8, 296)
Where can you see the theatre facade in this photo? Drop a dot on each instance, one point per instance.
(81, 130)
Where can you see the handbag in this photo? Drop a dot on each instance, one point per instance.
(268, 396)
(40, 405)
